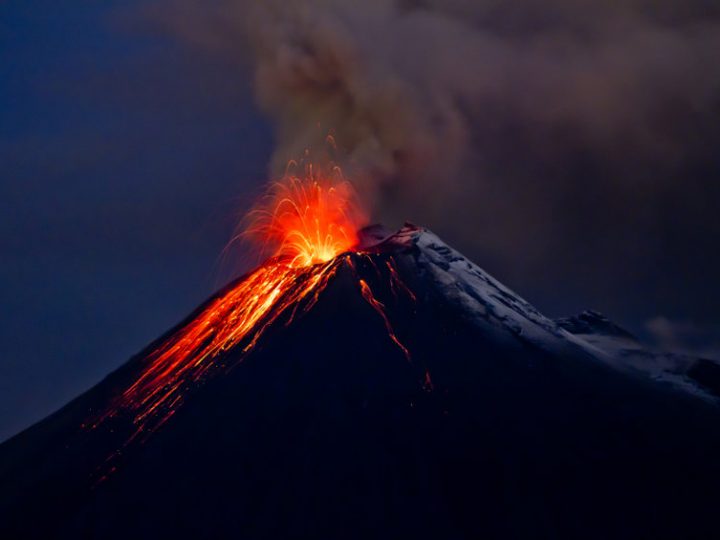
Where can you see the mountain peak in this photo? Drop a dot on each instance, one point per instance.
(412, 383)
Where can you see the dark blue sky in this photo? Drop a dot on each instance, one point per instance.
(127, 158)
(125, 162)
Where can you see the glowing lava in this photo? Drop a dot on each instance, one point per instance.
(236, 318)
(305, 223)
(308, 220)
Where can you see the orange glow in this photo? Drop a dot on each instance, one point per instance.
(305, 223)
(236, 318)
(309, 219)
(380, 308)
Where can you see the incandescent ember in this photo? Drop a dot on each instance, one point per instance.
(309, 226)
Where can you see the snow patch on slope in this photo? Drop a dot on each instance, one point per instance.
(487, 302)
(625, 350)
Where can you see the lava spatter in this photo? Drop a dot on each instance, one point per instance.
(309, 225)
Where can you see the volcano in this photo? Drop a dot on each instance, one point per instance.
(405, 394)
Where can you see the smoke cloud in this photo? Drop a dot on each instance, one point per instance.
(684, 337)
(412, 89)
(577, 128)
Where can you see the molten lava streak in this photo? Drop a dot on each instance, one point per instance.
(306, 223)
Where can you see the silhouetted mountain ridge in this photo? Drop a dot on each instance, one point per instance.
(503, 424)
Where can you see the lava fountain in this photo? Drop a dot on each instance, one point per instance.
(308, 220)
(308, 225)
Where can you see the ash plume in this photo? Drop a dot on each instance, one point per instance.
(535, 125)
(406, 84)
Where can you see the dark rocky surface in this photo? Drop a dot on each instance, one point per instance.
(326, 430)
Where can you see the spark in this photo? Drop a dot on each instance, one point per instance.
(309, 226)
(309, 219)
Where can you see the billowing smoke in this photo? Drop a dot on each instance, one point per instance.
(520, 128)
(415, 90)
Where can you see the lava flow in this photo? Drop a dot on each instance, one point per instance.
(306, 223)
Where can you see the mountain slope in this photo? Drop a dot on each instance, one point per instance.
(503, 424)
(698, 376)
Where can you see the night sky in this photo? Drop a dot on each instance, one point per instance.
(128, 155)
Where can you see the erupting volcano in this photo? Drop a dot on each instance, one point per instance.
(310, 226)
(361, 383)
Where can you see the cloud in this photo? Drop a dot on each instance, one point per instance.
(546, 138)
(685, 336)
(425, 97)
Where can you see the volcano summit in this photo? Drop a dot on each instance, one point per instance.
(393, 391)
